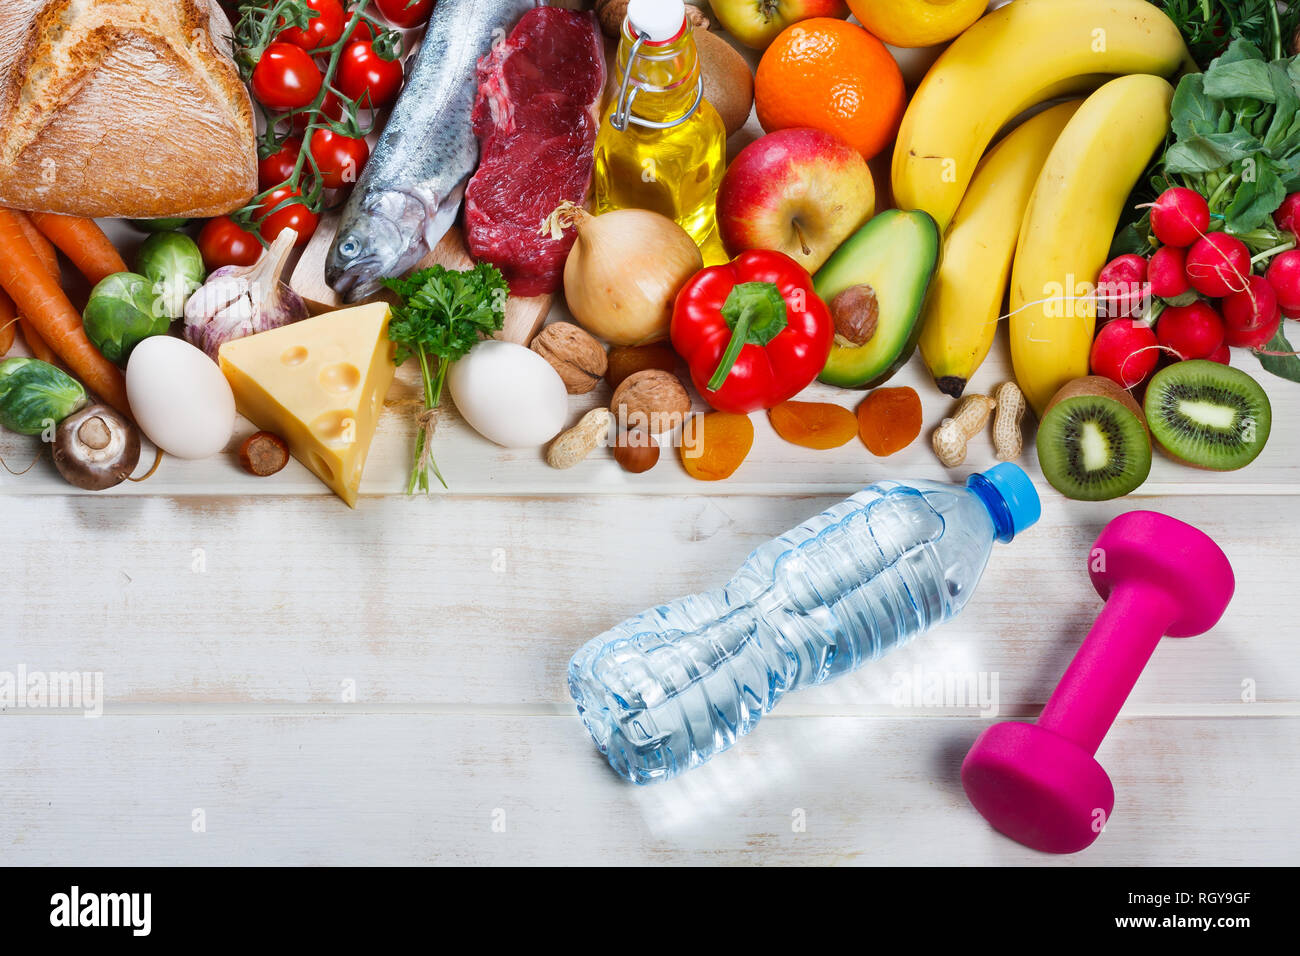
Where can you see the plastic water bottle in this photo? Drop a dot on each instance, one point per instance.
(668, 689)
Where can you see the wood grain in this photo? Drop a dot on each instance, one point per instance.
(481, 601)
(407, 790)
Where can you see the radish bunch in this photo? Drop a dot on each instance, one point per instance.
(1193, 296)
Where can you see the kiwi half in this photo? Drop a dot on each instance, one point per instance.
(1093, 442)
(1208, 415)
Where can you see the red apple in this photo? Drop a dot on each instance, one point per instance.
(756, 23)
(798, 191)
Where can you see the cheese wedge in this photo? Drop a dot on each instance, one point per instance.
(320, 385)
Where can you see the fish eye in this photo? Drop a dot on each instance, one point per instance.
(349, 247)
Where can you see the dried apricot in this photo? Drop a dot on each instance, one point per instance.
(714, 445)
(813, 424)
(889, 419)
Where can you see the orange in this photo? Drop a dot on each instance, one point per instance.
(834, 76)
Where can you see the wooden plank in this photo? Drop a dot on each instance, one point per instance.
(524, 791)
(481, 602)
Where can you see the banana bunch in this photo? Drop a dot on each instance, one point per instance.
(1023, 54)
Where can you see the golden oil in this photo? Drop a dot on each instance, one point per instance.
(673, 169)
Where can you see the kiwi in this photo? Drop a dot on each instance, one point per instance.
(1208, 415)
(1093, 442)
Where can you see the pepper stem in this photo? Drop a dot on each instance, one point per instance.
(755, 313)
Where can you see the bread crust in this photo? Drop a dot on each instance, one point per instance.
(128, 108)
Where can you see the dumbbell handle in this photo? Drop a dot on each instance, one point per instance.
(1098, 681)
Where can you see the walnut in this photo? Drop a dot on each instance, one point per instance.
(652, 399)
(575, 354)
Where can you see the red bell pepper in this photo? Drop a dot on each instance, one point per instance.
(753, 331)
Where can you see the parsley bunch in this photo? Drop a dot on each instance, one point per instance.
(1209, 26)
(442, 315)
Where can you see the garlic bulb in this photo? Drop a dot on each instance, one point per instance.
(241, 300)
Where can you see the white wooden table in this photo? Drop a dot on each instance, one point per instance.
(287, 681)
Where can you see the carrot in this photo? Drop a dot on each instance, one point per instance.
(82, 241)
(40, 298)
(45, 251)
(8, 323)
(40, 245)
(35, 344)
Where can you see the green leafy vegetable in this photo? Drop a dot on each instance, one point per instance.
(1279, 357)
(1236, 141)
(442, 315)
(35, 396)
(1209, 26)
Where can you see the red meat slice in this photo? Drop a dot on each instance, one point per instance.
(536, 119)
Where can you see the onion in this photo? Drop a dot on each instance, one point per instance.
(624, 271)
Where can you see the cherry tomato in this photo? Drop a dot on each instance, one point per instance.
(339, 158)
(278, 167)
(294, 216)
(286, 77)
(363, 75)
(405, 13)
(330, 106)
(363, 31)
(223, 242)
(322, 30)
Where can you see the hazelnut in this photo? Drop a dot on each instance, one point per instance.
(574, 353)
(651, 399)
(636, 451)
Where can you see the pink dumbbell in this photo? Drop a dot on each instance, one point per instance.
(1040, 783)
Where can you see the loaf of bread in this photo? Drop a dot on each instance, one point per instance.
(128, 108)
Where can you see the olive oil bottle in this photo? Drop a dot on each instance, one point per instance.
(661, 145)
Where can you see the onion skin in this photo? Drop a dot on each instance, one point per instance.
(624, 272)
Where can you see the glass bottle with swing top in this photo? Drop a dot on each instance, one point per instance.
(661, 145)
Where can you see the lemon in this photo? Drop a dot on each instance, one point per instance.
(909, 23)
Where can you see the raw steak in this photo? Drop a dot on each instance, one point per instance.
(536, 117)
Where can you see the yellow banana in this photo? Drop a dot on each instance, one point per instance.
(1021, 54)
(1069, 225)
(965, 300)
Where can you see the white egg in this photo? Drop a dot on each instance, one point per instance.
(179, 397)
(509, 394)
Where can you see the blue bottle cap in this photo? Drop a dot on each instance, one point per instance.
(1018, 492)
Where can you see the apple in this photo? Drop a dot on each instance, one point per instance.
(756, 23)
(799, 191)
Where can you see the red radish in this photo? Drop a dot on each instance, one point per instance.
(1121, 285)
(1218, 264)
(1251, 317)
(1284, 276)
(1222, 355)
(1180, 216)
(1167, 273)
(1193, 331)
(1285, 216)
(1124, 352)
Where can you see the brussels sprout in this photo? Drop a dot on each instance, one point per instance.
(172, 263)
(159, 225)
(35, 396)
(122, 312)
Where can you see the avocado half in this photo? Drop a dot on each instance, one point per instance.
(895, 254)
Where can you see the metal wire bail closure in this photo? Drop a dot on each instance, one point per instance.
(623, 115)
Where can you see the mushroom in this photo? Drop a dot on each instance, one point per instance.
(96, 448)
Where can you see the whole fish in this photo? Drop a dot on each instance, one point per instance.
(409, 192)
